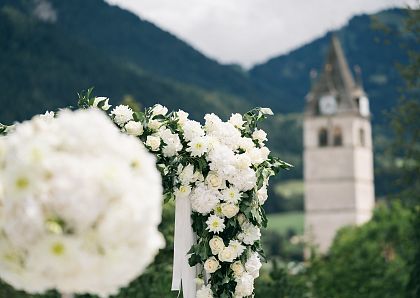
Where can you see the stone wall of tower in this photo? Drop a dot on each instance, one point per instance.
(338, 179)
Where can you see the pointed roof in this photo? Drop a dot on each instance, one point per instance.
(336, 79)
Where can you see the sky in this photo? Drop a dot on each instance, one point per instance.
(248, 32)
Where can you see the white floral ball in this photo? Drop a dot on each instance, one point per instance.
(79, 206)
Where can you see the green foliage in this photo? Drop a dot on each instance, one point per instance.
(372, 260)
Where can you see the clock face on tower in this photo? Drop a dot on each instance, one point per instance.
(327, 105)
(364, 106)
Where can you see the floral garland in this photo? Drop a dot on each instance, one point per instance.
(223, 168)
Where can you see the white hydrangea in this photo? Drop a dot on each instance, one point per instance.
(192, 129)
(205, 292)
(81, 205)
(172, 141)
(253, 265)
(122, 114)
(244, 180)
(237, 246)
(244, 285)
(249, 234)
(203, 199)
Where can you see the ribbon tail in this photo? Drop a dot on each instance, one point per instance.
(183, 275)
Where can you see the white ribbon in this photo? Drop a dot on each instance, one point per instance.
(182, 274)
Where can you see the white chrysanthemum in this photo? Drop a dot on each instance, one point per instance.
(134, 128)
(237, 120)
(81, 205)
(215, 224)
(198, 146)
(253, 265)
(103, 101)
(203, 199)
(237, 246)
(122, 114)
(244, 285)
(249, 234)
(205, 292)
(231, 195)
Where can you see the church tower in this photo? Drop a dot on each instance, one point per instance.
(338, 159)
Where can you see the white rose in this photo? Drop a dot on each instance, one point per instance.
(253, 265)
(267, 111)
(259, 135)
(237, 120)
(159, 110)
(104, 100)
(237, 268)
(214, 180)
(241, 218)
(262, 195)
(182, 117)
(229, 210)
(227, 254)
(154, 124)
(211, 265)
(216, 245)
(242, 161)
(134, 128)
(153, 142)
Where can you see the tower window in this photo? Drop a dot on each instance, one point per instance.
(362, 137)
(323, 137)
(337, 136)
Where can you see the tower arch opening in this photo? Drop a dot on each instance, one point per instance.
(323, 137)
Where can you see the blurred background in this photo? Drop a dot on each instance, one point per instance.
(229, 56)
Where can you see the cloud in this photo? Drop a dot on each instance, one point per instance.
(251, 31)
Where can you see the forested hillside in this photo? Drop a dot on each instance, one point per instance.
(52, 49)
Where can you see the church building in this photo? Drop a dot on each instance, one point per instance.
(338, 158)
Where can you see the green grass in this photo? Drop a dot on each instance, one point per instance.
(290, 189)
(280, 222)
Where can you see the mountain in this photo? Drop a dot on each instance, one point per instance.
(42, 66)
(51, 49)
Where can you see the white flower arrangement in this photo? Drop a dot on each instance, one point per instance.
(223, 168)
(80, 204)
